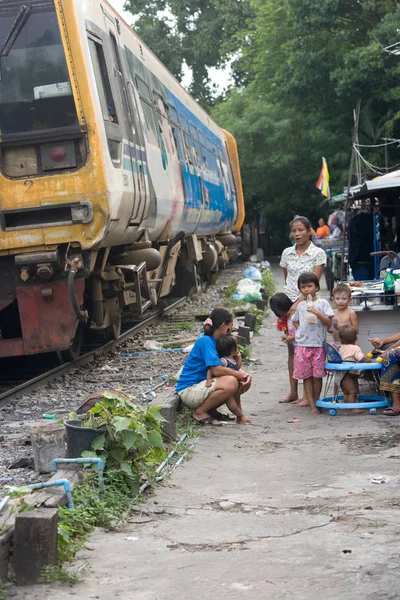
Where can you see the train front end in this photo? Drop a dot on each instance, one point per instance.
(52, 208)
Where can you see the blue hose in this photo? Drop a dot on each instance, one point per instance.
(98, 462)
(64, 482)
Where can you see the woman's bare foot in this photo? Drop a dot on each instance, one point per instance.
(289, 398)
(302, 402)
(315, 411)
(356, 411)
(242, 420)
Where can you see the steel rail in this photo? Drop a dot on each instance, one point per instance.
(40, 380)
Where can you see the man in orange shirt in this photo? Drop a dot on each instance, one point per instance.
(323, 230)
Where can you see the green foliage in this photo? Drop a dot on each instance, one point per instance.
(53, 573)
(4, 585)
(93, 509)
(259, 315)
(245, 352)
(268, 282)
(200, 34)
(302, 66)
(130, 438)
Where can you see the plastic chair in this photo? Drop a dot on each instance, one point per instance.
(335, 402)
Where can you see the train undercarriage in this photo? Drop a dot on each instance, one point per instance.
(50, 300)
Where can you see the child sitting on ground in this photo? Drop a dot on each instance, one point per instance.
(229, 354)
(311, 319)
(350, 352)
(342, 315)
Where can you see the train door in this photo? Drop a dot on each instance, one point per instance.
(132, 149)
(170, 145)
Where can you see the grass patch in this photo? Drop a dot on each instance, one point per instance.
(185, 424)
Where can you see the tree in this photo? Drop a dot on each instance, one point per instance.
(303, 65)
(200, 33)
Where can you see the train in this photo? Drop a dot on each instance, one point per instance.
(116, 188)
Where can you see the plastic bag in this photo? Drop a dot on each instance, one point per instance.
(253, 296)
(245, 286)
(252, 273)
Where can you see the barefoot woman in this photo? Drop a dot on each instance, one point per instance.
(227, 386)
(303, 257)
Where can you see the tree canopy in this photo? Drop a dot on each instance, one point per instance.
(299, 68)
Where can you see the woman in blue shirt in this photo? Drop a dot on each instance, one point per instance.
(227, 386)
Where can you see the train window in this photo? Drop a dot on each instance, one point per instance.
(173, 114)
(120, 76)
(193, 131)
(144, 89)
(185, 125)
(103, 82)
(146, 102)
(176, 131)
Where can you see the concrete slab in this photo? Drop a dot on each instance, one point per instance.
(269, 511)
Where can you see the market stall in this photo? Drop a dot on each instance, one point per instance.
(373, 235)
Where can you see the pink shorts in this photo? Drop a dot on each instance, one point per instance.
(308, 362)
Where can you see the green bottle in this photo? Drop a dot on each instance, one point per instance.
(389, 287)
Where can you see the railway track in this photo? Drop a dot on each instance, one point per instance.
(14, 383)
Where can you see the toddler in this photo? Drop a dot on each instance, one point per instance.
(312, 319)
(228, 353)
(351, 353)
(343, 315)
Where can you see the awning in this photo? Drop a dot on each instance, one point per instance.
(370, 187)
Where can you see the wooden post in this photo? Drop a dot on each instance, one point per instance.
(35, 543)
(244, 333)
(261, 304)
(5, 553)
(250, 321)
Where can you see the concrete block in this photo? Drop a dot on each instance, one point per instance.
(169, 401)
(250, 321)
(244, 332)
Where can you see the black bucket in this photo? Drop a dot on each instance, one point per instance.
(79, 438)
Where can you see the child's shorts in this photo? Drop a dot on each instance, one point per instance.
(308, 362)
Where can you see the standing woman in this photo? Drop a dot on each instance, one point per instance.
(302, 257)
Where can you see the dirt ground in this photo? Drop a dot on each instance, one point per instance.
(270, 511)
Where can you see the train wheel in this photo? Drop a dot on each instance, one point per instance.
(74, 351)
(113, 309)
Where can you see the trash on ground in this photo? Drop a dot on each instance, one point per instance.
(294, 421)
(381, 479)
(252, 273)
(247, 290)
(132, 539)
(152, 345)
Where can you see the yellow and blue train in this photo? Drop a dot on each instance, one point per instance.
(116, 187)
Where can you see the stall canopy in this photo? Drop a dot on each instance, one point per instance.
(389, 181)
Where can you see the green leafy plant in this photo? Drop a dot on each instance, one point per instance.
(4, 585)
(53, 573)
(268, 282)
(130, 440)
(245, 352)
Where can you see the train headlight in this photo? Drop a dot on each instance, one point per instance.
(82, 213)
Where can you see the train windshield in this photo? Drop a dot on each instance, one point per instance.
(35, 89)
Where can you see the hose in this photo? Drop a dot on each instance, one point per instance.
(72, 296)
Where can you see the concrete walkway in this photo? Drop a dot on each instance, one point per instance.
(270, 511)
